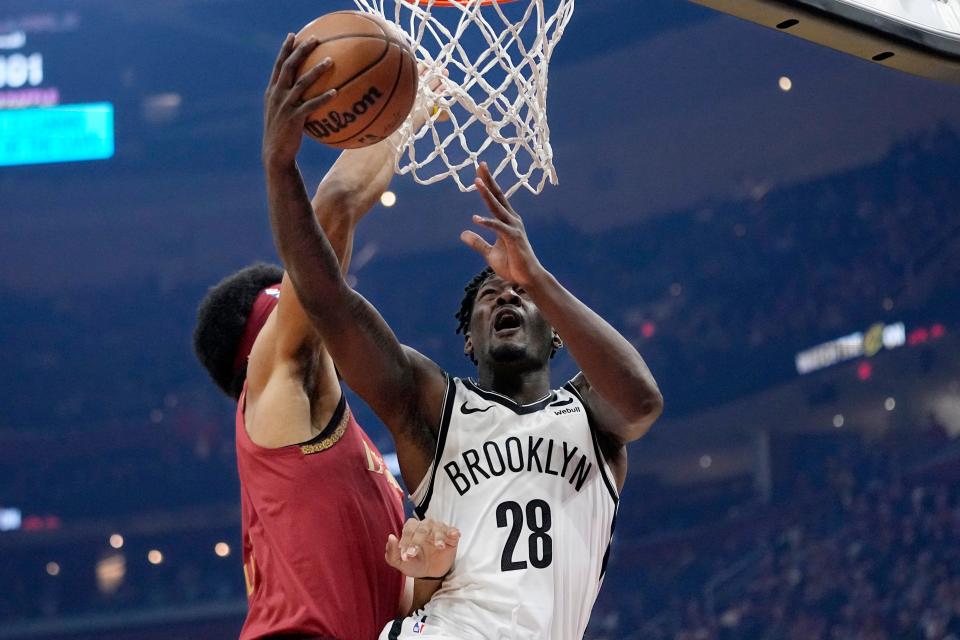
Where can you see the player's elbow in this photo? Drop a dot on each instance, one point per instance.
(648, 409)
(335, 203)
(322, 299)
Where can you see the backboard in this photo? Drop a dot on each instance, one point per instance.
(921, 37)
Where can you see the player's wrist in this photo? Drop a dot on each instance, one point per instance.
(277, 162)
(440, 578)
(538, 279)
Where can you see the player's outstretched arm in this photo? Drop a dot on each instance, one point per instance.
(612, 368)
(289, 347)
(401, 386)
(346, 194)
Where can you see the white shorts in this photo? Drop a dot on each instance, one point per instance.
(416, 626)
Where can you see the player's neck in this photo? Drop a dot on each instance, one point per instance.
(523, 387)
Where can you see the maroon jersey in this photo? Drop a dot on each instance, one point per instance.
(316, 517)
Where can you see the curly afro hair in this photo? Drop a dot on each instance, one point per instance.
(222, 318)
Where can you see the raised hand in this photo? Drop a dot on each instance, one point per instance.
(423, 112)
(511, 256)
(285, 112)
(426, 549)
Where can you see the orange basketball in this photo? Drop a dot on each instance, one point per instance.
(374, 73)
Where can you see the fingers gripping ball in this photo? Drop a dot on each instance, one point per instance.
(374, 73)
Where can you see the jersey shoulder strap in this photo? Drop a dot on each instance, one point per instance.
(421, 496)
(605, 472)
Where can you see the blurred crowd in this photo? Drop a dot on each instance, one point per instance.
(759, 280)
(89, 577)
(868, 551)
(719, 298)
(873, 556)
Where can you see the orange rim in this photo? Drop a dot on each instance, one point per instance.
(452, 3)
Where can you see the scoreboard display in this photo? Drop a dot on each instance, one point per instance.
(116, 86)
(18, 70)
(40, 122)
(65, 133)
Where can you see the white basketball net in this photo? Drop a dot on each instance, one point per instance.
(491, 62)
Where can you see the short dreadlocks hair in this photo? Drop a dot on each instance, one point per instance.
(466, 305)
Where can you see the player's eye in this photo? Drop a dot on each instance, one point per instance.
(487, 292)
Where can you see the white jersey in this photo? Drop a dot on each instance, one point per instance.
(535, 503)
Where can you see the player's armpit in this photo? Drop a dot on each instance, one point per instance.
(334, 214)
(607, 421)
(294, 332)
(293, 337)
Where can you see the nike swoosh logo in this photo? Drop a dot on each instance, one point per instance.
(562, 403)
(465, 410)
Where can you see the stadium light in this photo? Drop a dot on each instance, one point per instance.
(838, 420)
(222, 549)
(154, 556)
(111, 570)
(116, 541)
(890, 404)
(53, 569)
(388, 198)
(785, 83)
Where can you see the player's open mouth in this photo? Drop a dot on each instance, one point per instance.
(506, 320)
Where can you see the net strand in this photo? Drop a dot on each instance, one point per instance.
(491, 103)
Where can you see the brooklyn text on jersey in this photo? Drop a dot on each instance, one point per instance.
(497, 457)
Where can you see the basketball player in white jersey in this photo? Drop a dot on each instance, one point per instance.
(530, 476)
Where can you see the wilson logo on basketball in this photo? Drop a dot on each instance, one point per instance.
(336, 121)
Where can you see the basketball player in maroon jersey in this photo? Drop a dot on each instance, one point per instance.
(318, 503)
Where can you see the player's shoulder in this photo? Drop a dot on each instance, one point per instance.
(578, 385)
(422, 363)
(416, 409)
(603, 420)
(599, 411)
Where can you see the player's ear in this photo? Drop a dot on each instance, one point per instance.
(557, 341)
(468, 346)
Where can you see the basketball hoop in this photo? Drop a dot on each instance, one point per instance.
(489, 59)
(450, 3)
